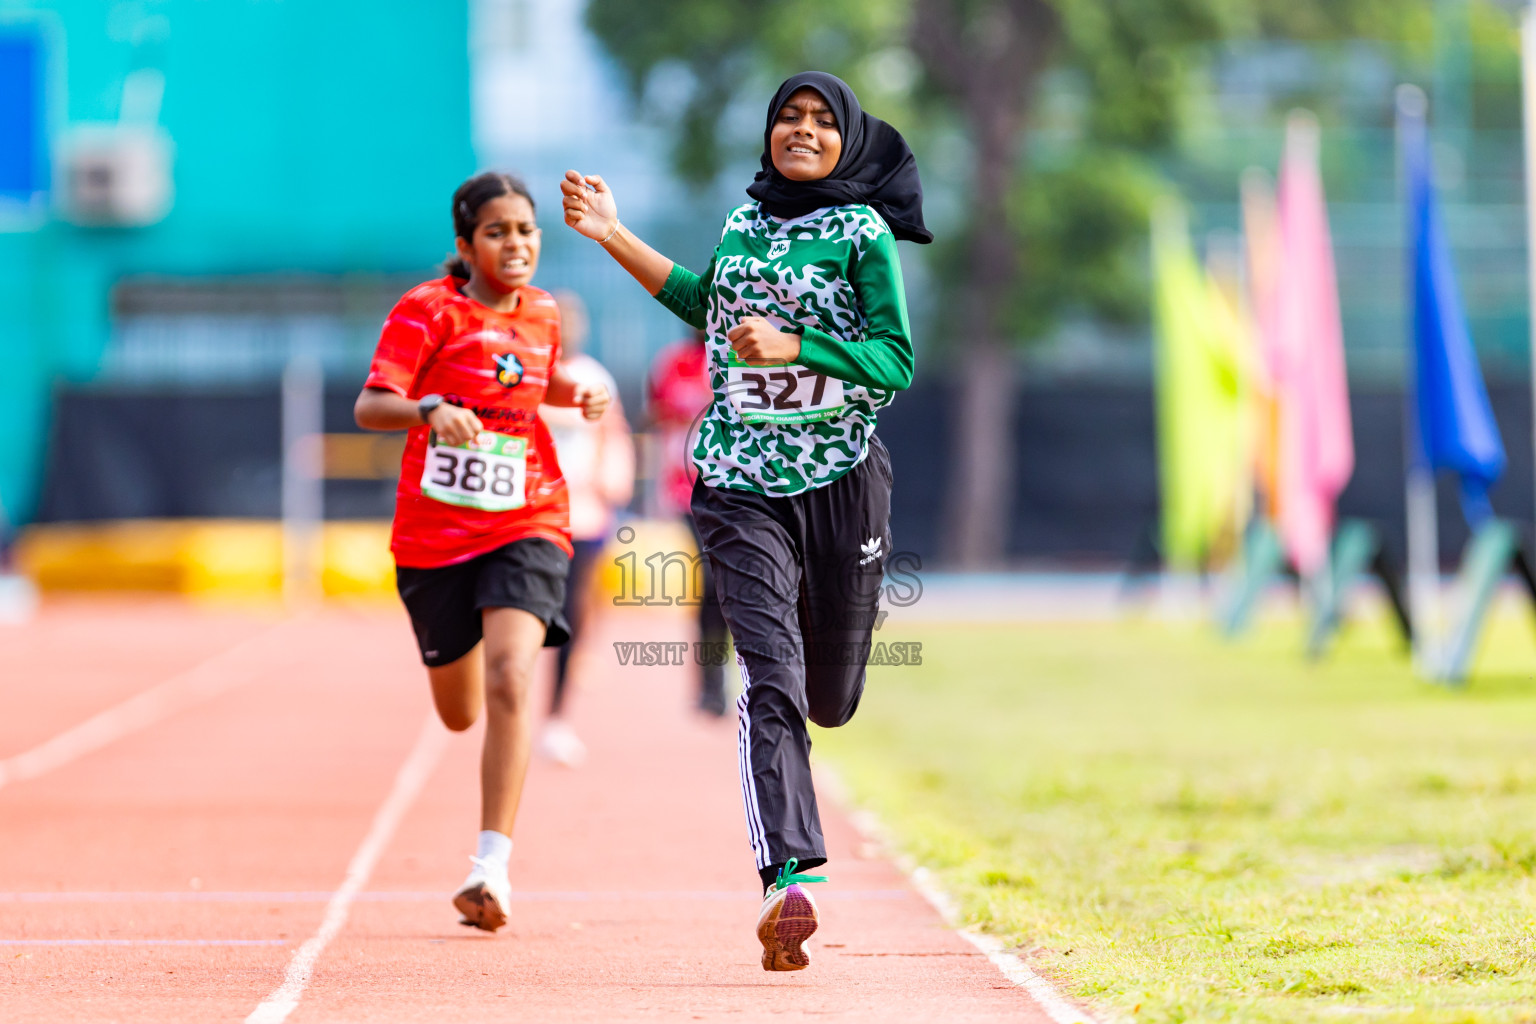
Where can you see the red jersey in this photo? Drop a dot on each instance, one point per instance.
(679, 391)
(497, 365)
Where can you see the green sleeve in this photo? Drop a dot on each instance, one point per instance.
(883, 360)
(686, 293)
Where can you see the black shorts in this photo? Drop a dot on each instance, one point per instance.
(445, 602)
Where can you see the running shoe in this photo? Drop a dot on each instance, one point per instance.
(560, 744)
(787, 919)
(484, 897)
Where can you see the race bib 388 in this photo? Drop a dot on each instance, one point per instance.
(489, 473)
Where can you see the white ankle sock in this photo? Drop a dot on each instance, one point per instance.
(495, 849)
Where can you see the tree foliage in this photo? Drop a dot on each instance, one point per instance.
(1078, 225)
(720, 48)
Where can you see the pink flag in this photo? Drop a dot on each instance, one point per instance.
(1316, 443)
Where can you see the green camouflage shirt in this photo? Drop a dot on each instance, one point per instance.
(832, 276)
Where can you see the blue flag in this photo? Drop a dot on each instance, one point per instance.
(1454, 427)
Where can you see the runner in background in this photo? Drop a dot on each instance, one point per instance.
(679, 392)
(481, 536)
(808, 339)
(598, 457)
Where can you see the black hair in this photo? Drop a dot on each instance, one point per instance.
(468, 198)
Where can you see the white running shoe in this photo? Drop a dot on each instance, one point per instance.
(561, 745)
(485, 897)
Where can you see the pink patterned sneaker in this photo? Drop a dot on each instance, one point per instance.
(787, 919)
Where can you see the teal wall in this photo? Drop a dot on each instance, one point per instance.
(311, 136)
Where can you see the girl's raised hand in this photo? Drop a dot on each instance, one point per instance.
(590, 209)
(589, 205)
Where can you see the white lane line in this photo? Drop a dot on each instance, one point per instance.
(1053, 1004)
(412, 776)
(223, 671)
(1056, 1006)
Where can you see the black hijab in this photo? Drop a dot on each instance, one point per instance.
(876, 167)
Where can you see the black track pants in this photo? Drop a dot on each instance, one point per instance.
(799, 582)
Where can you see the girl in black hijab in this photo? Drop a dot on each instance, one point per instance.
(808, 339)
(876, 166)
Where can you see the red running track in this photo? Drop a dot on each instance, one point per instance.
(172, 871)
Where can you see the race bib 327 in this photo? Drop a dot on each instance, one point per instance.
(781, 394)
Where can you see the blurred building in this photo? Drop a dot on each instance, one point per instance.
(221, 185)
(268, 179)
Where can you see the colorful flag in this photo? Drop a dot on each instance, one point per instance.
(1315, 439)
(1203, 441)
(1453, 424)
(1262, 256)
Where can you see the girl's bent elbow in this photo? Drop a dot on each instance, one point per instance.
(362, 411)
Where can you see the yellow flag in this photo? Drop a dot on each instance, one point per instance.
(1204, 422)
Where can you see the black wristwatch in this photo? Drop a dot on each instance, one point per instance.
(427, 404)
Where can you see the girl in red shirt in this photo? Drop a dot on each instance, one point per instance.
(481, 537)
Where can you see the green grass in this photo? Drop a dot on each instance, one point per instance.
(1174, 829)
